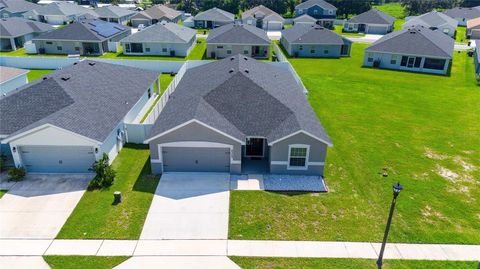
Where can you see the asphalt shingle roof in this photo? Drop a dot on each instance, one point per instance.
(373, 16)
(113, 12)
(7, 73)
(163, 33)
(16, 26)
(238, 34)
(17, 6)
(305, 18)
(268, 14)
(416, 40)
(86, 99)
(63, 8)
(241, 97)
(158, 12)
(85, 30)
(432, 19)
(312, 34)
(463, 12)
(321, 3)
(215, 14)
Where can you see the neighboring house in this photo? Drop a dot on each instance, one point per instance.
(154, 15)
(11, 79)
(167, 39)
(232, 39)
(417, 49)
(304, 40)
(434, 20)
(373, 21)
(473, 29)
(88, 37)
(189, 22)
(321, 10)
(115, 14)
(238, 115)
(463, 14)
(305, 19)
(213, 18)
(15, 8)
(59, 13)
(476, 60)
(263, 18)
(67, 120)
(15, 31)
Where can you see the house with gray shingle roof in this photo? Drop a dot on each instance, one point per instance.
(264, 18)
(473, 29)
(304, 40)
(463, 14)
(165, 38)
(321, 10)
(416, 49)
(232, 39)
(154, 15)
(115, 14)
(87, 37)
(66, 120)
(59, 13)
(213, 18)
(434, 20)
(15, 31)
(373, 21)
(15, 8)
(233, 114)
(305, 19)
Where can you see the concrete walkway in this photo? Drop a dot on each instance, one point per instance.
(179, 262)
(311, 249)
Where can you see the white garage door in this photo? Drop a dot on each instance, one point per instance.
(376, 30)
(57, 159)
(274, 26)
(195, 159)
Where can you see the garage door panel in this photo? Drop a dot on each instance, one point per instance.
(53, 159)
(180, 159)
(376, 30)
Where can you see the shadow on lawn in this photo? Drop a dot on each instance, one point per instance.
(146, 182)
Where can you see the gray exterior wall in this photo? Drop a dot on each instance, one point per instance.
(334, 51)
(235, 49)
(209, 24)
(68, 47)
(137, 22)
(378, 29)
(279, 153)
(385, 63)
(181, 49)
(198, 133)
(317, 12)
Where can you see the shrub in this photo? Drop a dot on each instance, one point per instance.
(3, 160)
(16, 174)
(104, 174)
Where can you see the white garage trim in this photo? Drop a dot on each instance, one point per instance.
(12, 138)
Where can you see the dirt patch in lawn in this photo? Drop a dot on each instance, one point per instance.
(429, 153)
(466, 166)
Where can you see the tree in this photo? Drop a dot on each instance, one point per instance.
(416, 7)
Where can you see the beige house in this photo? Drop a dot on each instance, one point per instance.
(473, 28)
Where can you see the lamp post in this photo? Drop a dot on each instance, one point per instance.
(397, 188)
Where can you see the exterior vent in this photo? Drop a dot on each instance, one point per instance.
(44, 78)
(246, 71)
(232, 58)
(65, 78)
(91, 63)
(245, 58)
(231, 71)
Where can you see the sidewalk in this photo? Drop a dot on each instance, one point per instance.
(310, 249)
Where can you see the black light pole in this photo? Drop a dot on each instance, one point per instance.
(396, 191)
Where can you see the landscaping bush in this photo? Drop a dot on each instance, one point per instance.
(16, 174)
(3, 160)
(104, 174)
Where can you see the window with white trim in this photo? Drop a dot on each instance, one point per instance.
(298, 156)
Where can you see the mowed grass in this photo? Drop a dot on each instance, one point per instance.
(396, 10)
(35, 74)
(2, 193)
(424, 129)
(96, 217)
(83, 262)
(304, 263)
(461, 34)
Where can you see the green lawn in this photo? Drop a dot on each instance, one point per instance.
(304, 263)
(2, 193)
(35, 74)
(396, 10)
(202, 30)
(198, 52)
(423, 128)
(96, 217)
(165, 80)
(461, 34)
(338, 30)
(82, 262)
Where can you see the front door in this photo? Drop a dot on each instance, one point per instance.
(254, 147)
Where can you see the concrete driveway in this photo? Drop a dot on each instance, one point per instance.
(189, 206)
(38, 206)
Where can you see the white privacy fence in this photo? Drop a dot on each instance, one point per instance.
(278, 52)
(137, 133)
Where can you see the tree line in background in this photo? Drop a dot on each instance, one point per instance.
(415, 7)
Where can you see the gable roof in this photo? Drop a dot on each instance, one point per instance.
(433, 19)
(463, 12)
(16, 26)
(8, 73)
(241, 97)
(63, 9)
(113, 12)
(163, 33)
(312, 34)
(305, 18)
(373, 16)
(88, 98)
(17, 6)
(215, 14)
(238, 34)
(473, 23)
(416, 40)
(85, 30)
(158, 12)
(321, 3)
(264, 12)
